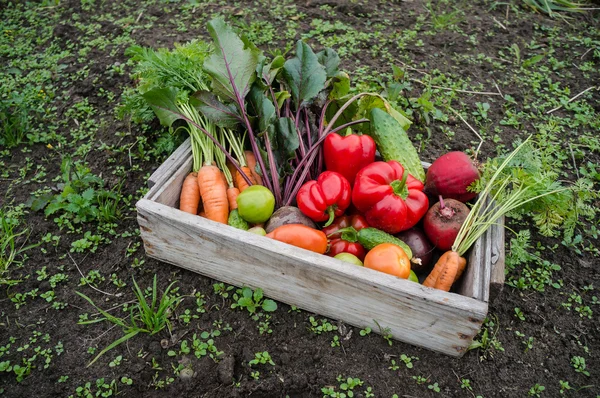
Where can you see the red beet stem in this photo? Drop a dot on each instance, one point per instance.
(446, 212)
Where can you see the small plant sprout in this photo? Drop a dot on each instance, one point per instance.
(536, 390)
(579, 365)
(434, 387)
(262, 358)
(252, 300)
(366, 331)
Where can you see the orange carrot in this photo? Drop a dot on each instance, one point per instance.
(189, 199)
(231, 167)
(251, 162)
(435, 272)
(213, 190)
(240, 182)
(446, 271)
(232, 194)
(447, 275)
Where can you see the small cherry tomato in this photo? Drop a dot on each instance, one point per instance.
(390, 259)
(337, 246)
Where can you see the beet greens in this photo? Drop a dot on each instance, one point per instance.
(286, 106)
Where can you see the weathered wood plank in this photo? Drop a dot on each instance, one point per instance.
(440, 321)
(471, 285)
(497, 251)
(168, 192)
(171, 165)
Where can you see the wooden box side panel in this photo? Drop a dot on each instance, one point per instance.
(440, 321)
(484, 276)
(171, 165)
(168, 191)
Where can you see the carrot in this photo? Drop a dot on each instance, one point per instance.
(232, 194)
(230, 167)
(213, 190)
(189, 199)
(240, 182)
(251, 162)
(446, 271)
(447, 275)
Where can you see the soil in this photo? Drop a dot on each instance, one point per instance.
(305, 362)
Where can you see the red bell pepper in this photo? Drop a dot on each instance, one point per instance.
(391, 199)
(324, 199)
(347, 155)
(337, 244)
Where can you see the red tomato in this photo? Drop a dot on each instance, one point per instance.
(390, 259)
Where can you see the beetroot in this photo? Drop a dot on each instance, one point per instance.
(442, 222)
(450, 175)
(421, 247)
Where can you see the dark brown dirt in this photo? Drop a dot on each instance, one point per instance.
(305, 362)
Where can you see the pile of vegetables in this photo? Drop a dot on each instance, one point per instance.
(282, 149)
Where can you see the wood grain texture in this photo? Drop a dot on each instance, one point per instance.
(171, 165)
(430, 318)
(497, 250)
(168, 192)
(485, 263)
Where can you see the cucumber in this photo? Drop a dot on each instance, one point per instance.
(371, 237)
(236, 221)
(393, 143)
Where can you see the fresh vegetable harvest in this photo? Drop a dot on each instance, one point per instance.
(393, 142)
(213, 190)
(389, 197)
(443, 221)
(446, 271)
(301, 236)
(388, 258)
(251, 162)
(257, 231)
(421, 247)
(413, 277)
(236, 221)
(189, 199)
(450, 175)
(371, 237)
(349, 258)
(338, 245)
(326, 198)
(355, 221)
(507, 187)
(348, 154)
(288, 215)
(256, 204)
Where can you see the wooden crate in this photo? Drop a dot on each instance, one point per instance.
(437, 320)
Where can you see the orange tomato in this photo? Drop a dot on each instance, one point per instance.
(300, 236)
(388, 258)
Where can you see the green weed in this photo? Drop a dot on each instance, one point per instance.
(144, 317)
